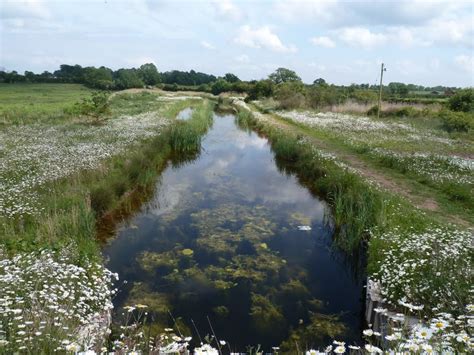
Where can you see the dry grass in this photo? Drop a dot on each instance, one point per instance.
(359, 108)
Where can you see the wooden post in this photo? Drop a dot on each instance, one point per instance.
(382, 69)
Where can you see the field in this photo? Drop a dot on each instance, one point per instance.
(397, 188)
(28, 103)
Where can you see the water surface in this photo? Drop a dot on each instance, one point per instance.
(221, 238)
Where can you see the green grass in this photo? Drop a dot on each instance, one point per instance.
(33, 103)
(73, 205)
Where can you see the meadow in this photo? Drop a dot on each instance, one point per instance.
(398, 188)
(32, 103)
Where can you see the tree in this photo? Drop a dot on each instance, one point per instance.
(149, 74)
(220, 86)
(231, 78)
(320, 82)
(282, 75)
(70, 73)
(30, 76)
(99, 78)
(127, 78)
(290, 94)
(398, 89)
(262, 88)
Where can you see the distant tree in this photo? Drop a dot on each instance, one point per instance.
(46, 77)
(187, 78)
(127, 78)
(99, 78)
(290, 94)
(220, 86)
(231, 78)
(70, 73)
(398, 89)
(30, 76)
(241, 86)
(12, 77)
(320, 96)
(282, 75)
(149, 74)
(320, 81)
(364, 96)
(262, 88)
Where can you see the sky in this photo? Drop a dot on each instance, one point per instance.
(422, 42)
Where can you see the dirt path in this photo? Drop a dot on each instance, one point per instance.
(367, 171)
(162, 92)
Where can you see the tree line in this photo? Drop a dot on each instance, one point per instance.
(281, 83)
(108, 79)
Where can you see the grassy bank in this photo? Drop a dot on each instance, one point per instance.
(407, 248)
(434, 164)
(56, 295)
(55, 190)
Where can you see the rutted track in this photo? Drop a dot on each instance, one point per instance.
(361, 167)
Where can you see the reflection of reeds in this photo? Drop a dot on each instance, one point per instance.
(124, 192)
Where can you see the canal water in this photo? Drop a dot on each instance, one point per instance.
(230, 239)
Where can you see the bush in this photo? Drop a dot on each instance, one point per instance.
(456, 121)
(290, 95)
(262, 88)
(319, 96)
(463, 100)
(364, 96)
(171, 87)
(95, 106)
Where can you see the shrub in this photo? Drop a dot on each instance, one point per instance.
(96, 105)
(463, 100)
(290, 95)
(319, 96)
(171, 87)
(456, 121)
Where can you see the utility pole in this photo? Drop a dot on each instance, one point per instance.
(382, 69)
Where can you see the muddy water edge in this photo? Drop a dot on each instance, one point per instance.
(234, 236)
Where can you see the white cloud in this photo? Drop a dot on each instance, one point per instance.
(243, 59)
(261, 37)
(323, 41)
(465, 62)
(228, 10)
(297, 10)
(361, 37)
(451, 31)
(24, 8)
(207, 45)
